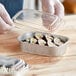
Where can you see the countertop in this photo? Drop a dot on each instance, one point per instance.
(42, 65)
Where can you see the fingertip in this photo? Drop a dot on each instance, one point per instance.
(59, 10)
(4, 15)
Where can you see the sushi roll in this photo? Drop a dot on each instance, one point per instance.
(57, 41)
(49, 37)
(33, 40)
(41, 42)
(38, 35)
(50, 43)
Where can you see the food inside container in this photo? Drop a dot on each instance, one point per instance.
(44, 39)
(12, 66)
(43, 43)
(33, 42)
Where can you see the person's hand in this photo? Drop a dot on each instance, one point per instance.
(53, 7)
(5, 20)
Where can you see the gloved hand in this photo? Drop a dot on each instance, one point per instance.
(53, 7)
(5, 20)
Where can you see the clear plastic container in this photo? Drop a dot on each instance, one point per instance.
(37, 20)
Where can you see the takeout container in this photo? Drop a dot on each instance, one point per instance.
(29, 21)
(10, 66)
(42, 50)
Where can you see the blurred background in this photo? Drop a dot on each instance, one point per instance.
(70, 5)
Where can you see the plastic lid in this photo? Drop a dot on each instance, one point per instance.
(36, 19)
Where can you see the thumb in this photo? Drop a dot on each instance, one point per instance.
(5, 16)
(4, 26)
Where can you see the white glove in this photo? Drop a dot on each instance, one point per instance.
(5, 20)
(53, 7)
